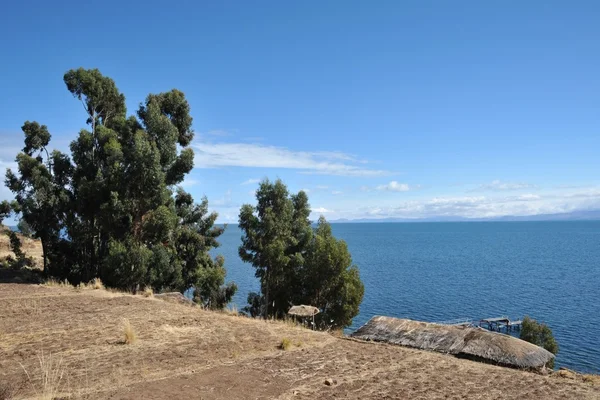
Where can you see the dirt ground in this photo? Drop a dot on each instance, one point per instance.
(64, 342)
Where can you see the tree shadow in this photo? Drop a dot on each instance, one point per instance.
(23, 276)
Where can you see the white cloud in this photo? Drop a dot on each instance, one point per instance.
(337, 192)
(320, 210)
(189, 182)
(480, 206)
(215, 155)
(499, 185)
(307, 191)
(321, 187)
(250, 181)
(394, 186)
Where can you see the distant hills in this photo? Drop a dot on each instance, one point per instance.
(587, 215)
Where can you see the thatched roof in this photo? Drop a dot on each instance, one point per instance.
(468, 342)
(303, 311)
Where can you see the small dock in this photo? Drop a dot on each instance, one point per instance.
(497, 324)
(500, 324)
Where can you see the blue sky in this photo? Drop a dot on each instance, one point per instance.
(377, 109)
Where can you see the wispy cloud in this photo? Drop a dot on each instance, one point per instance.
(320, 210)
(481, 206)
(395, 186)
(250, 182)
(500, 185)
(215, 155)
(337, 192)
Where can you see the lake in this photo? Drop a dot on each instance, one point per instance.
(453, 270)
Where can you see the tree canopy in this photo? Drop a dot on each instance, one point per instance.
(295, 263)
(539, 334)
(112, 208)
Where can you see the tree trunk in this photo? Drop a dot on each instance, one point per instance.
(267, 295)
(44, 245)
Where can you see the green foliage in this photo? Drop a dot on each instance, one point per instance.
(273, 233)
(296, 264)
(110, 210)
(15, 245)
(41, 193)
(331, 282)
(539, 334)
(24, 228)
(5, 210)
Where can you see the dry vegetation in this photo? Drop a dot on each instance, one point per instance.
(31, 247)
(57, 341)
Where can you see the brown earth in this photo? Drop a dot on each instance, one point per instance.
(75, 339)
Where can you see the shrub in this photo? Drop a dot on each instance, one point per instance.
(539, 334)
(97, 284)
(130, 336)
(285, 344)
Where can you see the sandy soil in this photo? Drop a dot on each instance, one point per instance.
(69, 343)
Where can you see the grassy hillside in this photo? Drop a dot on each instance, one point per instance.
(31, 247)
(85, 343)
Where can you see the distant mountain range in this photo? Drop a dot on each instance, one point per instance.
(589, 215)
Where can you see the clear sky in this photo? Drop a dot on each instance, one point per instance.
(377, 109)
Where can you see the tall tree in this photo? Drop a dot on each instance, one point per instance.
(296, 264)
(112, 211)
(274, 230)
(331, 282)
(41, 186)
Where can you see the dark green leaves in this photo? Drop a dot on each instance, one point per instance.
(296, 264)
(37, 137)
(109, 210)
(98, 93)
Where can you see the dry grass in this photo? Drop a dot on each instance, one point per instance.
(128, 332)
(187, 352)
(231, 310)
(97, 284)
(48, 378)
(52, 282)
(148, 292)
(285, 344)
(9, 390)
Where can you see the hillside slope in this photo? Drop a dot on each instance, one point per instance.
(185, 352)
(31, 247)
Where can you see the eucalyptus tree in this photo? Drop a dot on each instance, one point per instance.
(275, 231)
(295, 263)
(111, 210)
(331, 281)
(40, 187)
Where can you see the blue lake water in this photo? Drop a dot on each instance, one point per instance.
(444, 271)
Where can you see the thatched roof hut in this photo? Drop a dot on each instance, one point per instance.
(469, 342)
(303, 311)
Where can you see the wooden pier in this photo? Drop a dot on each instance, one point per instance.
(497, 324)
(500, 324)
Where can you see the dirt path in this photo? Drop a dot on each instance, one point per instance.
(184, 352)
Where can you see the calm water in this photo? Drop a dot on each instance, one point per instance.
(444, 271)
